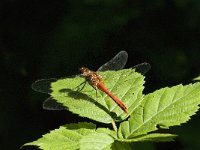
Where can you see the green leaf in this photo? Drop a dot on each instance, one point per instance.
(112, 133)
(196, 78)
(126, 84)
(82, 136)
(161, 109)
(156, 137)
(96, 141)
(66, 137)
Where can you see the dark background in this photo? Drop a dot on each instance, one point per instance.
(44, 39)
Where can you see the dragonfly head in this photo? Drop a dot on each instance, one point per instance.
(84, 70)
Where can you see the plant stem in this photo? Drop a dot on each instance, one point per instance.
(114, 126)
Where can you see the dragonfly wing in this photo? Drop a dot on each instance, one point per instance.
(116, 63)
(142, 68)
(43, 85)
(51, 104)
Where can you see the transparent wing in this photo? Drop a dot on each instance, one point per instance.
(142, 68)
(43, 85)
(116, 63)
(51, 104)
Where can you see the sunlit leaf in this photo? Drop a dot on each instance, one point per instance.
(96, 141)
(154, 137)
(161, 109)
(126, 84)
(82, 136)
(66, 137)
(197, 78)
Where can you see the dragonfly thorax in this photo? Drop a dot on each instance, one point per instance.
(92, 77)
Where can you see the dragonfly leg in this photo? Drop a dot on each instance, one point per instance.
(82, 84)
(96, 93)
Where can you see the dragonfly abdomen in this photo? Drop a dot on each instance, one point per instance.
(118, 101)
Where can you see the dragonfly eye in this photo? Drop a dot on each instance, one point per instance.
(83, 69)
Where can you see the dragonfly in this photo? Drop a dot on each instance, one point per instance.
(93, 78)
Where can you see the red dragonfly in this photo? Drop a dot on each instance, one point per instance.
(93, 78)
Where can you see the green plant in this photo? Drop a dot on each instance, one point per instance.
(147, 113)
